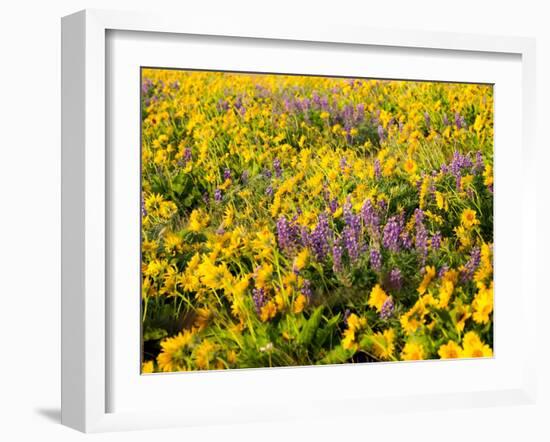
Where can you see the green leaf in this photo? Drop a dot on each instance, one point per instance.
(310, 327)
(154, 334)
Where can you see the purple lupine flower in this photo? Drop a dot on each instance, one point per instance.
(222, 105)
(277, 167)
(387, 308)
(381, 132)
(283, 233)
(244, 176)
(375, 259)
(406, 240)
(471, 265)
(143, 209)
(337, 252)
(206, 198)
(146, 86)
(333, 205)
(187, 155)
(459, 121)
(478, 165)
(421, 239)
(436, 241)
(306, 289)
(370, 218)
(319, 238)
(352, 232)
(360, 112)
(258, 296)
(396, 279)
(175, 84)
(218, 195)
(267, 173)
(377, 171)
(343, 164)
(391, 234)
(427, 119)
(227, 173)
(269, 191)
(445, 120)
(351, 243)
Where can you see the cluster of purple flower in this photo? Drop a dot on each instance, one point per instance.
(471, 265)
(289, 235)
(421, 239)
(259, 298)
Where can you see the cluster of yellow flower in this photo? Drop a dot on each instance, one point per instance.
(293, 220)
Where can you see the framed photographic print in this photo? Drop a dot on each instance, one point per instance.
(250, 213)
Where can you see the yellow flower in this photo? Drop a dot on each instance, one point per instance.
(377, 298)
(383, 344)
(410, 166)
(212, 276)
(148, 367)
(450, 350)
(474, 347)
(461, 315)
(468, 218)
(174, 352)
(485, 269)
(268, 311)
(441, 202)
(483, 303)
(197, 220)
(354, 324)
(299, 303)
(412, 351)
(488, 175)
(204, 354)
(301, 260)
(428, 276)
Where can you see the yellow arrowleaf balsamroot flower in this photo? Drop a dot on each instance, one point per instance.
(450, 350)
(299, 303)
(268, 311)
(474, 347)
(354, 324)
(412, 351)
(301, 260)
(483, 303)
(428, 276)
(377, 298)
(148, 367)
(383, 345)
(204, 354)
(213, 276)
(174, 352)
(468, 218)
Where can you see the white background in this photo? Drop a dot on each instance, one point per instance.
(30, 216)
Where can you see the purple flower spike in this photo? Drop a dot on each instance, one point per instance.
(375, 259)
(470, 267)
(436, 241)
(319, 238)
(227, 174)
(337, 252)
(391, 234)
(387, 308)
(277, 167)
(218, 195)
(258, 296)
(396, 279)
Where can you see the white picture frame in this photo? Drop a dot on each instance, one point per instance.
(86, 357)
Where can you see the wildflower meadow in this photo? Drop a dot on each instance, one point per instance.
(300, 220)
